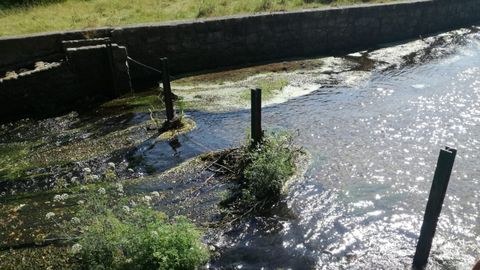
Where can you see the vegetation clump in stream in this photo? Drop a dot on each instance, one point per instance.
(262, 171)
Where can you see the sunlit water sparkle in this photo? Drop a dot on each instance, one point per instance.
(374, 148)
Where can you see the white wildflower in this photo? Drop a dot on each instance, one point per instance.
(76, 248)
(155, 194)
(119, 188)
(147, 198)
(154, 233)
(101, 191)
(87, 170)
(94, 177)
(126, 208)
(111, 165)
(74, 180)
(81, 202)
(75, 220)
(49, 215)
(59, 198)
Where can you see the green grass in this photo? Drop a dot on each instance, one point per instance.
(141, 102)
(269, 86)
(14, 160)
(32, 16)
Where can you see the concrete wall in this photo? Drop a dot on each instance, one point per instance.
(196, 46)
(91, 64)
(80, 81)
(36, 93)
(205, 44)
(17, 52)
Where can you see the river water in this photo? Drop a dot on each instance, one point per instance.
(374, 144)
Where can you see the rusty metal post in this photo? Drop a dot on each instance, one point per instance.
(434, 206)
(256, 116)
(167, 90)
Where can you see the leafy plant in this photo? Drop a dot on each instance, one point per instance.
(116, 237)
(263, 171)
(181, 108)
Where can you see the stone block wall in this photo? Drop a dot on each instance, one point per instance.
(211, 44)
(79, 81)
(194, 46)
(43, 92)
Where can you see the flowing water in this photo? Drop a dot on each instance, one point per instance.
(374, 145)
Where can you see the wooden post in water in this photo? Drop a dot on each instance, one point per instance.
(167, 90)
(434, 206)
(256, 116)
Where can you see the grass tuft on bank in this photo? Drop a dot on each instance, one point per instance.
(33, 16)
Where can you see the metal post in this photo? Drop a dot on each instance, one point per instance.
(434, 206)
(256, 111)
(167, 90)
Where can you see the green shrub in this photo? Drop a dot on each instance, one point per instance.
(136, 238)
(265, 170)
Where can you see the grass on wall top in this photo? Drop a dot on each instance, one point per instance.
(33, 16)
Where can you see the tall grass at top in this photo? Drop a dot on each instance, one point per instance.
(31, 16)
